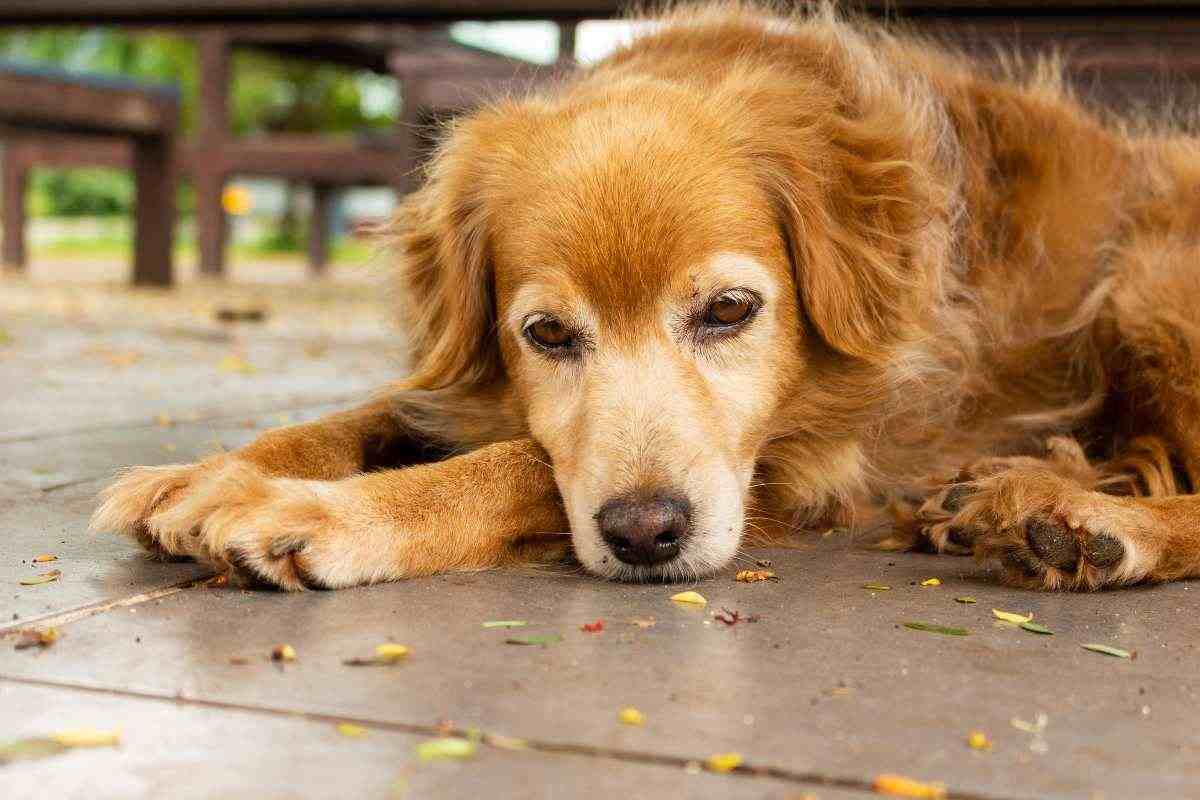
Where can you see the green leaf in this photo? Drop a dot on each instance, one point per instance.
(543, 639)
(30, 749)
(444, 748)
(506, 623)
(1033, 627)
(1108, 651)
(968, 600)
(45, 577)
(876, 587)
(929, 627)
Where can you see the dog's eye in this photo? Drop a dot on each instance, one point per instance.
(729, 309)
(549, 333)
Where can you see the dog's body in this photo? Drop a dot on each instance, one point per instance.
(752, 273)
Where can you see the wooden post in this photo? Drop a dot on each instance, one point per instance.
(208, 170)
(412, 100)
(154, 211)
(15, 179)
(324, 196)
(566, 42)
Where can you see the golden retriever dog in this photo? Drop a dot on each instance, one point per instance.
(752, 274)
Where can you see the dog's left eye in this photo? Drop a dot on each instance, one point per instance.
(729, 309)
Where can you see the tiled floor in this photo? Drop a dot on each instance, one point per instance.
(825, 691)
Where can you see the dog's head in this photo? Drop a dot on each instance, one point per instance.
(656, 283)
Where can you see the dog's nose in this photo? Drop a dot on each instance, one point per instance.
(644, 530)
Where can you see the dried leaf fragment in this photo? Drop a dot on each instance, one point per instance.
(733, 617)
(87, 737)
(445, 747)
(690, 598)
(235, 363)
(592, 627)
(900, 786)
(631, 716)
(30, 749)
(644, 622)
(929, 627)
(506, 623)
(724, 762)
(352, 731)
(1109, 651)
(44, 558)
(877, 587)
(283, 652)
(978, 740)
(1008, 616)
(755, 576)
(932, 582)
(45, 577)
(385, 654)
(32, 637)
(966, 600)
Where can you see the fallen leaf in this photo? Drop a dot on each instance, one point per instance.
(385, 654)
(931, 582)
(446, 747)
(30, 749)
(506, 623)
(42, 559)
(644, 622)
(5, 337)
(543, 639)
(1008, 616)
(1109, 651)
(724, 762)
(631, 716)
(763, 562)
(592, 627)
(1031, 727)
(506, 742)
(877, 587)
(352, 731)
(690, 598)
(45, 577)
(967, 600)
(929, 627)
(978, 740)
(733, 617)
(235, 363)
(31, 637)
(239, 661)
(755, 576)
(900, 786)
(87, 737)
(283, 652)
(1033, 627)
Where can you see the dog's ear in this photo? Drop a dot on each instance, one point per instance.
(865, 219)
(442, 235)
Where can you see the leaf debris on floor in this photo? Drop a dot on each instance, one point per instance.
(978, 740)
(592, 627)
(901, 786)
(1033, 627)
(44, 558)
(1107, 650)
(930, 627)
(733, 617)
(932, 582)
(631, 716)
(537, 639)
(723, 762)
(283, 652)
(755, 576)
(446, 747)
(352, 731)
(386, 654)
(877, 587)
(45, 577)
(690, 598)
(506, 623)
(966, 600)
(1009, 616)
(35, 637)
(644, 622)
(37, 747)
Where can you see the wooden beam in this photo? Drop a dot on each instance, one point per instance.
(57, 101)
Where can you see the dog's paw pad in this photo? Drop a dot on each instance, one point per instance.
(1102, 550)
(1053, 543)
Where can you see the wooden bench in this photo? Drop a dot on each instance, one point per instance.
(38, 100)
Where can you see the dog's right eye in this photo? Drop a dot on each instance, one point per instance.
(549, 333)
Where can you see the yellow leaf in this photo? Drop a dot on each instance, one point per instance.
(45, 577)
(445, 747)
(900, 786)
(44, 558)
(389, 652)
(283, 652)
(87, 737)
(724, 762)
(1008, 616)
(234, 363)
(931, 582)
(693, 598)
(631, 716)
(978, 740)
(754, 575)
(351, 730)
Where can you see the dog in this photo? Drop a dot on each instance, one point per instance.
(753, 274)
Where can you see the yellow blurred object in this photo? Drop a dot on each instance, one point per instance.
(236, 200)
(390, 652)
(931, 582)
(900, 786)
(87, 737)
(693, 598)
(978, 741)
(724, 762)
(352, 731)
(631, 716)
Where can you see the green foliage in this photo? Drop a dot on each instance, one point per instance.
(269, 95)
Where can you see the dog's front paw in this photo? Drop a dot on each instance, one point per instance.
(1049, 532)
(225, 512)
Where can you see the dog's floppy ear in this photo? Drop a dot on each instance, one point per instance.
(442, 234)
(865, 221)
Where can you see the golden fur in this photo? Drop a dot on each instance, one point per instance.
(977, 314)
